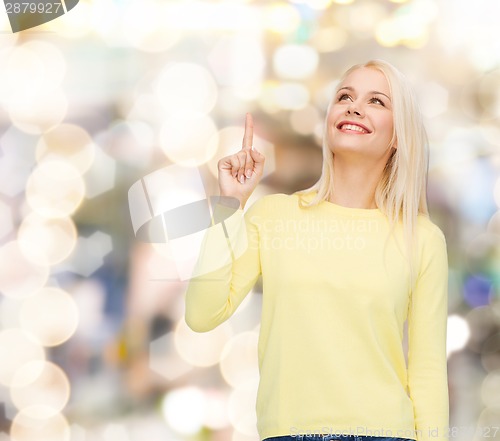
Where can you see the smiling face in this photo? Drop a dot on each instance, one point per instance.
(360, 118)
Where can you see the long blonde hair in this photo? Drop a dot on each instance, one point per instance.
(401, 193)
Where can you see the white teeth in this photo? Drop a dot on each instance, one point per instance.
(353, 127)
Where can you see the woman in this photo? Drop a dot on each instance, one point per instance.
(344, 264)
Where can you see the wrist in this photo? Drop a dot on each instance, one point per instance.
(230, 201)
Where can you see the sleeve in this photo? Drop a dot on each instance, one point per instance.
(427, 329)
(232, 247)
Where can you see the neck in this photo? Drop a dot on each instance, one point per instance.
(354, 184)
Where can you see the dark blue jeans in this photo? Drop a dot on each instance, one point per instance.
(335, 438)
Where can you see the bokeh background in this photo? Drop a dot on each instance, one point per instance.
(93, 344)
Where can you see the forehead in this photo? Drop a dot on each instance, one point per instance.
(367, 79)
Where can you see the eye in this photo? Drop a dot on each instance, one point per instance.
(344, 95)
(378, 100)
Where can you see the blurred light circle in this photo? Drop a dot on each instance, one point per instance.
(491, 133)
(482, 323)
(239, 359)
(17, 347)
(216, 416)
(25, 427)
(55, 189)
(158, 40)
(6, 220)
(496, 192)
(67, 142)
(101, 176)
(21, 73)
(238, 61)
(433, 99)
(129, 141)
(139, 19)
(478, 290)
(387, 33)
(490, 389)
(317, 4)
(364, 16)
(490, 353)
(481, 251)
(40, 383)
(281, 18)
(144, 28)
(242, 408)
(488, 94)
(494, 226)
(189, 139)
(325, 95)
(184, 409)
(305, 120)
(329, 39)
(201, 349)
(487, 423)
(10, 38)
(30, 68)
(54, 64)
(291, 96)
(21, 275)
(458, 333)
(295, 61)
(266, 98)
(101, 25)
(54, 238)
(184, 87)
(51, 315)
(38, 113)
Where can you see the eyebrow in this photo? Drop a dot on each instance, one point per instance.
(372, 91)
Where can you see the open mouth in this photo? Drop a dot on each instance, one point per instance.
(347, 127)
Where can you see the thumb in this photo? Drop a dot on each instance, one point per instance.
(256, 155)
(258, 159)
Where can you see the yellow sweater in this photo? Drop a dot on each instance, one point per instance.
(330, 349)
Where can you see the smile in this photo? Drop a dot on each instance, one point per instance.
(353, 128)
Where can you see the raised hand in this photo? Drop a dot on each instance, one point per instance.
(240, 173)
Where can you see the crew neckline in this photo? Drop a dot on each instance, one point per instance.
(350, 211)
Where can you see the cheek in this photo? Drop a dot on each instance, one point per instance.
(388, 125)
(332, 116)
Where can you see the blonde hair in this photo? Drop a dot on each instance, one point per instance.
(401, 192)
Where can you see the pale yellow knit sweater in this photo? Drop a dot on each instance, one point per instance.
(330, 348)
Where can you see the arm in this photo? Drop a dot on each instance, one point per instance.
(213, 297)
(427, 361)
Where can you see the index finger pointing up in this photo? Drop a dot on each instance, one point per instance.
(248, 136)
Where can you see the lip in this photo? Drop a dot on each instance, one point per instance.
(339, 125)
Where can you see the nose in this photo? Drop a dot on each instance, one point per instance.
(352, 108)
